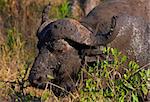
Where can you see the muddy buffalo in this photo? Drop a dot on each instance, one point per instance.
(64, 44)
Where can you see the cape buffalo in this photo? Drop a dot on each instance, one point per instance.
(124, 24)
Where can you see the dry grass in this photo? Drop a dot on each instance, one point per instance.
(14, 61)
(18, 50)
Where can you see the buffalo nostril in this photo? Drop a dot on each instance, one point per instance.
(36, 81)
(39, 79)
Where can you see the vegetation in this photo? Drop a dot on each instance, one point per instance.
(15, 59)
(117, 80)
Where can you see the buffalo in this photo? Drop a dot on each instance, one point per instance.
(66, 44)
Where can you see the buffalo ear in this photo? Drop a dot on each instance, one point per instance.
(45, 13)
(103, 38)
(45, 21)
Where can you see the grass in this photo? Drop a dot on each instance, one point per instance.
(107, 81)
(60, 11)
(14, 62)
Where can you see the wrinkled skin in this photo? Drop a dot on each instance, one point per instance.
(64, 44)
(62, 62)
